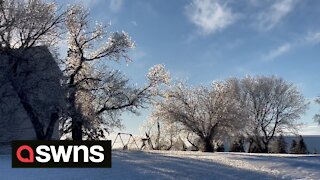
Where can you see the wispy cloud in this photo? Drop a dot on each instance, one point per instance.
(313, 37)
(310, 38)
(134, 23)
(210, 15)
(273, 54)
(138, 54)
(275, 13)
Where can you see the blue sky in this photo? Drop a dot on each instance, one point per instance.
(205, 40)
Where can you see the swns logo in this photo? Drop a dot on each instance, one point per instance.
(60, 154)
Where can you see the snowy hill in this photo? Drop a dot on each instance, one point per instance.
(181, 165)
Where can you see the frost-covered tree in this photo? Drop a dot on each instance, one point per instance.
(274, 105)
(97, 94)
(164, 134)
(25, 24)
(204, 111)
(28, 23)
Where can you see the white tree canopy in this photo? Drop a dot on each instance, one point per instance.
(274, 106)
(205, 111)
(98, 94)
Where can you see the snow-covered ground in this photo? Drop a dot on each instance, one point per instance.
(180, 165)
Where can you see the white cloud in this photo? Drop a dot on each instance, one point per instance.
(138, 54)
(210, 15)
(309, 129)
(273, 54)
(273, 15)
(134, 23)
(313, 38)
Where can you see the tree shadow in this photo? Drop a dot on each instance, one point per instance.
(157, 166)
(309, 162)
(136, 165)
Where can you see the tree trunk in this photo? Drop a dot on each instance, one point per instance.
(53, 119)
(250, 145)
(76, 129)
(37, 125)
(36, 122)
(195, 146)
(76, 117)
(158, 138)
(259, 146)
(207, 145)
(265, 149)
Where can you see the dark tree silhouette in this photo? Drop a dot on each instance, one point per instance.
(280, 145)
(301, 147)
(237, 146)
(293, 147)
